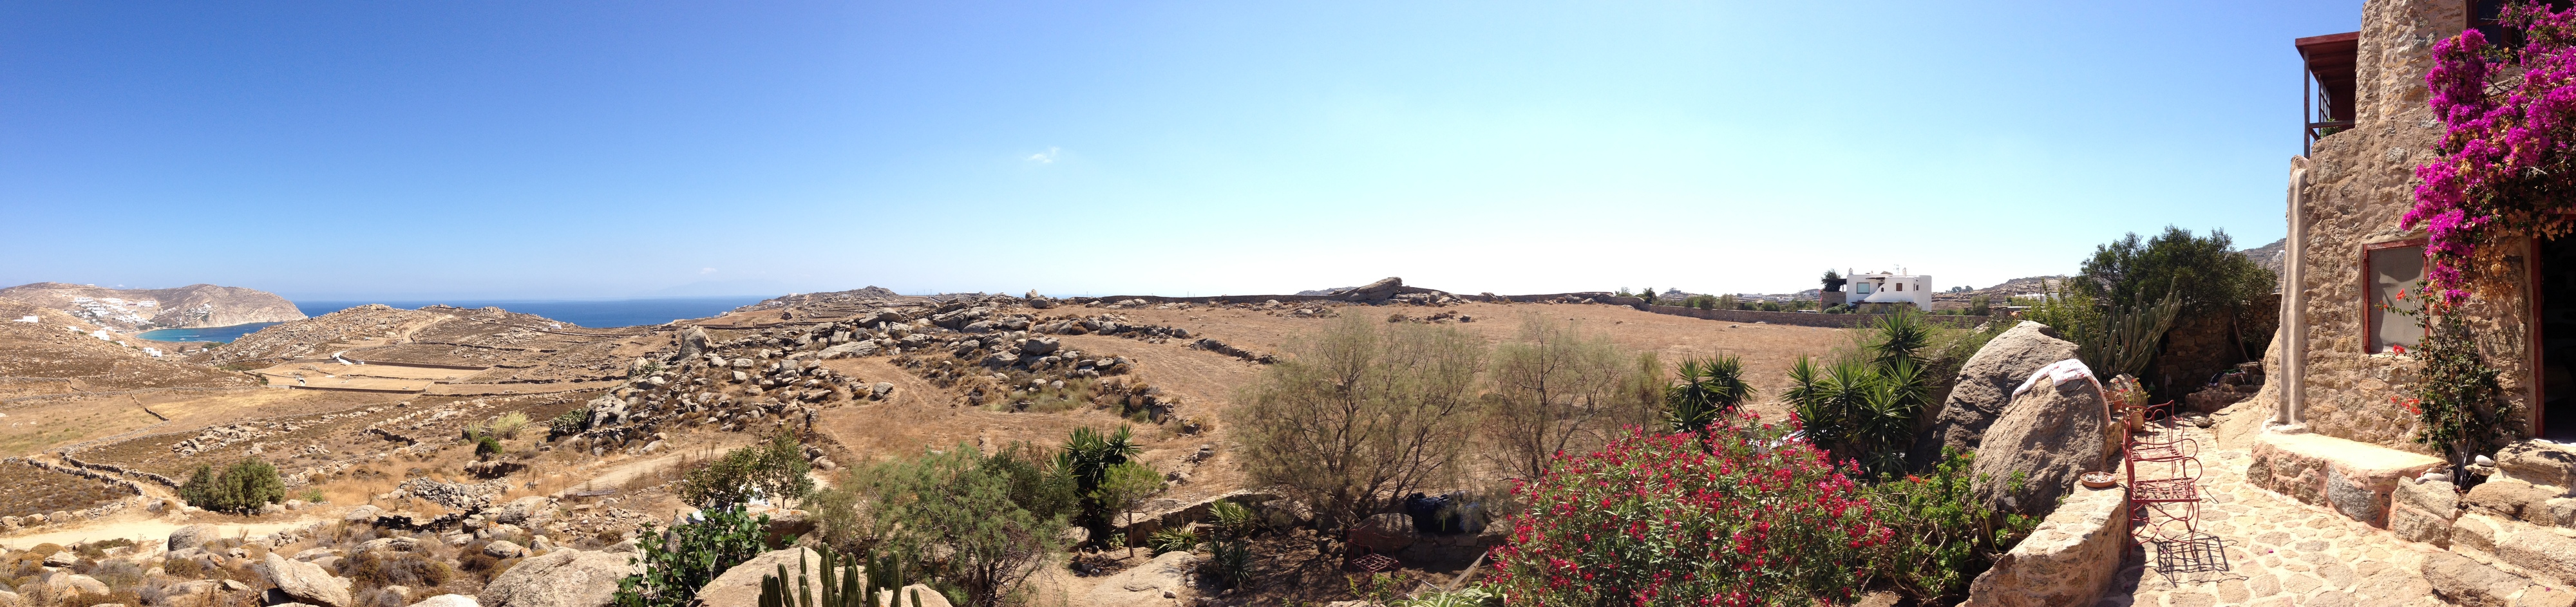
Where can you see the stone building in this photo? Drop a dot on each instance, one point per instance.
(2332, 435)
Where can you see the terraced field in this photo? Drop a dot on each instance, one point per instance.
(34, 490)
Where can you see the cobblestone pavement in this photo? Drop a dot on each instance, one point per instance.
(2278, 552)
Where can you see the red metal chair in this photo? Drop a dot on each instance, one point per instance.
(2164, 478)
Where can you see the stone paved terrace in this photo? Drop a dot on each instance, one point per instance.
(2279, 552)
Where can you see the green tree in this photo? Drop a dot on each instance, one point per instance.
(2205, 271)
(242, 488)
(1125, 487)
(775, 468)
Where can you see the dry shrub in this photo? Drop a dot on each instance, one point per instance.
(381, 568)
(183, 568)
(119, 573)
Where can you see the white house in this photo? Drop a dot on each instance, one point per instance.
(30, 319)
(1884, 287)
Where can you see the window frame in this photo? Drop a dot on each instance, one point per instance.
(2370, 287)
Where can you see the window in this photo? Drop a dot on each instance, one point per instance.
(1900, 286)
(1861, 288)
(2393, 269)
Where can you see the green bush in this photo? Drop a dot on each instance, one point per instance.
(681, 561)
(1173, 540)
(485, 446)
(570, 423)
(961, 507)
(242, 488)
(1709, 388)
(775, 468)
(1945, 536)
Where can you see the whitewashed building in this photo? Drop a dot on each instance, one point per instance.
(1889, 288)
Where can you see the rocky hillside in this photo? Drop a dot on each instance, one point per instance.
(192, 306)
(60, 353)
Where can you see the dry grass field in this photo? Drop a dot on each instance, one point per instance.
(34, 490)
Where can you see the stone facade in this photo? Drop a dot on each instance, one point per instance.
(2349, 192)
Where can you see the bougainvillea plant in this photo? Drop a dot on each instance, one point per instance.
(2504, 169)
(1739, 514)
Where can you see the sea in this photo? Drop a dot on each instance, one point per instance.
(582, 312)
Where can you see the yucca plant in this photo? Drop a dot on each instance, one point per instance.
(1709, 388)
(1232, 521)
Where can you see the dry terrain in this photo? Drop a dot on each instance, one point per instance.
(869, 377)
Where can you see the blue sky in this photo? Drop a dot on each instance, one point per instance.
(610, 149)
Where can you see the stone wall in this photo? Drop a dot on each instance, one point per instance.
(2357, 184)
(2069, 559)
(2520, 523)
(2203, 346)
(1807, 319)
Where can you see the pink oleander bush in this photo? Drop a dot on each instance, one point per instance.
(1740, 514)
(2503, 170)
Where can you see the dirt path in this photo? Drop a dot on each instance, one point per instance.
(142, 531)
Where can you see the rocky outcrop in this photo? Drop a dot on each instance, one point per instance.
(563, 578)
(1985, 386)
(305, 582)
(1146, 584)
(693, 342)
(1380, 290)
(740, 586)
(2070, 559)
(191, 536)
(2047, 437)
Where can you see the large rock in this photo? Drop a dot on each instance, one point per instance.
(2070, 559)
(1985, 386)
(1145, 585)
(1375, 291)
(306, 582)
(520, 510)
(2538, 464)
(2048, 436)
(191, 536)
(609, 410)
(693, 342)
(563, 578)
(740, 586)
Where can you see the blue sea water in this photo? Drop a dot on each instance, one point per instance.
(583, 312)
(217, 334)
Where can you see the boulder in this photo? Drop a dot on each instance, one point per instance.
(520, 510)
(693, 341)
(2049, 436)
(361, 515)
(1985, 386)
(191, 536)
(856, 348)
(2538, 464)
(608, 410)
(918, 595)
(1384, 533)
(563, 578)
(740, 586)
(1145, 584)
(1375, 291)
(1039, 346)
(306, 582)
(65, 582)
(451, 600)
(504, 549)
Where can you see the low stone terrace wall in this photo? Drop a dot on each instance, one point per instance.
(1807, 319)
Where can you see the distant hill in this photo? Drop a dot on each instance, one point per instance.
(2268, 255)
(127, 310)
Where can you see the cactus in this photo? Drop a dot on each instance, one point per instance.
(843, 585)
